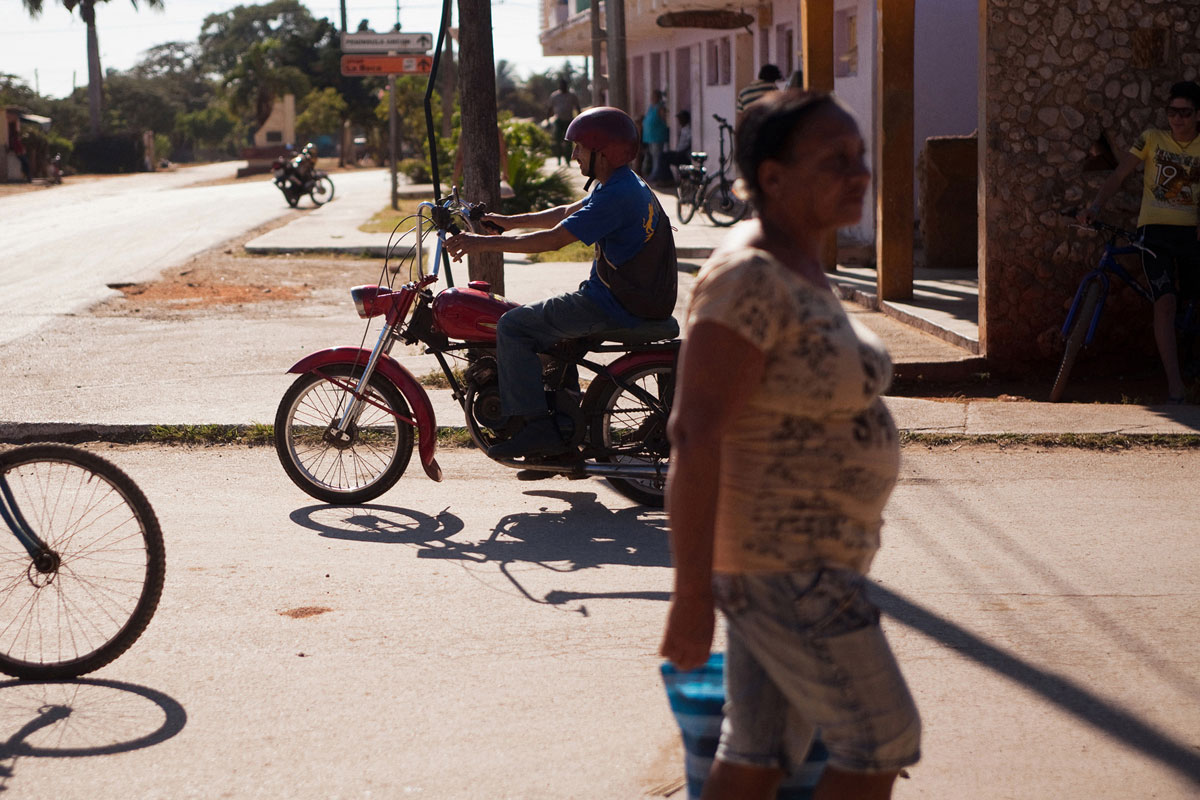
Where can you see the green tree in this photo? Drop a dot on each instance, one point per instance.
(208, 128)
(178, 67)
(87, 12)
(322, 111)
(258, 78)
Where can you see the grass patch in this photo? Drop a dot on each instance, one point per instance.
(386, 219)
(1078, 441)
(436, 379)
(575, 251)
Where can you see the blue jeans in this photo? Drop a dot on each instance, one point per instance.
(525, 331)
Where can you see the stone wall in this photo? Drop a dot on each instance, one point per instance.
(1058, 77)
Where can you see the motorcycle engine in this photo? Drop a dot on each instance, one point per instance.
(483, 406)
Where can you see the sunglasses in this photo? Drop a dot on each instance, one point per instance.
(1176, 111)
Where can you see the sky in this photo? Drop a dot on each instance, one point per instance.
(50, 53)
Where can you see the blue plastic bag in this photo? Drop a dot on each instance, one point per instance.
(697, 698)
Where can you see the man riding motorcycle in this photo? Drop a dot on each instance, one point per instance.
(633, 278)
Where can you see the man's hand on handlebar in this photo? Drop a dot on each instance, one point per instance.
(1087, 215)
(463, 244)
(493, 224)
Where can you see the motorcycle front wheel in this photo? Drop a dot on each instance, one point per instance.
(349, 469)
(322, 191)
(633, 430)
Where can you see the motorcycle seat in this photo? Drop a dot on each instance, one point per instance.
(654, 330)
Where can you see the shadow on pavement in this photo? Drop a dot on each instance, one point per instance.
(84, 717)
(585, 535)
(1067, 695)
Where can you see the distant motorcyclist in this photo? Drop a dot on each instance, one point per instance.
(633, 278)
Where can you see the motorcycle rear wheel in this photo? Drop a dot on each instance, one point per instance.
(342, 473)
(322, 191)
(634, 431)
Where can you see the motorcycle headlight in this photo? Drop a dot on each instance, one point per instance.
(372, 301)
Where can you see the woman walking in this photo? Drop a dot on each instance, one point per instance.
(783, 457)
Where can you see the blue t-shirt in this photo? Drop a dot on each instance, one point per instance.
(654, 127)
(621, 215)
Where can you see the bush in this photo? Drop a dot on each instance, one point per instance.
(416, 170)
(109, 153)
(533, 190)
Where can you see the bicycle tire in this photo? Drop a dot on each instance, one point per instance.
(687, 201)
(322, 191)
(722, 207)
(377, 454)
(621, 421)
(1074, 341)
(106, 586)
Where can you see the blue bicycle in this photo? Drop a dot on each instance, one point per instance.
(1084, 316)
(82, 572)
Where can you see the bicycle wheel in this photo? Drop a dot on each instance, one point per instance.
(723, 207)
(368, 462)
(633, 429)
(1075, 337)
(322, 191)
(102, 584)
(686, 196)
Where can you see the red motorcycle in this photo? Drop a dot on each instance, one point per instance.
(344, 431)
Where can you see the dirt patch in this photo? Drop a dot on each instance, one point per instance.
(303, 612)
(228, 280)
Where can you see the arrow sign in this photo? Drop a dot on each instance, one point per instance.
(387, 65)
(369, 42)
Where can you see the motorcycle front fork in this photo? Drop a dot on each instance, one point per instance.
(340, 431)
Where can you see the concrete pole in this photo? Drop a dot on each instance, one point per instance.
(816, 44)
(618, 75)
(894, 150)
(598, 34)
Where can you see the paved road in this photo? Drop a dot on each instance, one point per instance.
(64, 245)
(484, 637)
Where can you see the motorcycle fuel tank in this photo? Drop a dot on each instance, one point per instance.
(470, 314)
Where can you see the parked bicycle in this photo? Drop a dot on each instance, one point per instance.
(82, 572)
(1083, 318)
(722, 206)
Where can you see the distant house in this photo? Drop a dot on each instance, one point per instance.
(10, 148)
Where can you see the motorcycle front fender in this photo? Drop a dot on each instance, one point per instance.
(402, 379)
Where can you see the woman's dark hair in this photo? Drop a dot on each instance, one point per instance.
(1186, 90)
(770, 125)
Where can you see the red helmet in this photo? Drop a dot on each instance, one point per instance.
(606, 130)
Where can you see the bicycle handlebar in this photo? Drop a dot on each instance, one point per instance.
(1134, 239)
(722, 121)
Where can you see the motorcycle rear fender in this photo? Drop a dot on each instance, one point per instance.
(399, 377)
(627, 362)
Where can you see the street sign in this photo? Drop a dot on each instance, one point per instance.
(370, 42)
(387, 65)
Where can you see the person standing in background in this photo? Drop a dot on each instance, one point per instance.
(768, 76)
(564, 105)
(654, 137)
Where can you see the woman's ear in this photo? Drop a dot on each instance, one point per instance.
(770, 177)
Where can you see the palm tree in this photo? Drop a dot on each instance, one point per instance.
(259, 77)
(87, 12)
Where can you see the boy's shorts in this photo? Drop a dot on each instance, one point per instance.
(806, 657)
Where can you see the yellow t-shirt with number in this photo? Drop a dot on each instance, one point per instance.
(1171, 180)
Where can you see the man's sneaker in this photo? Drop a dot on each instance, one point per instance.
(539, 437)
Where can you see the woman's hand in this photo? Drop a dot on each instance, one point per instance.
(688, 638)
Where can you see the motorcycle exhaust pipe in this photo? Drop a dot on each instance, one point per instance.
(643, 471)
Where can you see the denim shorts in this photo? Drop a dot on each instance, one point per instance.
(806, 657)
